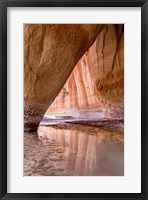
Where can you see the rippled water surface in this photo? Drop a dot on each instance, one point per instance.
(73, 151)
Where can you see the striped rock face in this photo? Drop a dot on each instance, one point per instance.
(77, 98)
(95, 52)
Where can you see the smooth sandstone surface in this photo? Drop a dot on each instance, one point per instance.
(97, 82)
(51, 53)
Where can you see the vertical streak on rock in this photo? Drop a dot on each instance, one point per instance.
(80, 95)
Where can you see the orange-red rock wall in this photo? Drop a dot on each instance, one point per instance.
(52, 52)
(78, 93)
(97, 81)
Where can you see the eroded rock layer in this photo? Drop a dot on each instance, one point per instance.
(51, 53)
(106, 64)
(99, 74)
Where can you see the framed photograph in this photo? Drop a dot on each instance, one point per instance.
(73, 99)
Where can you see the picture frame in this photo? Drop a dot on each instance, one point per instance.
(4, 4)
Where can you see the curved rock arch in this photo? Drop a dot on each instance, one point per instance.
(51, 53)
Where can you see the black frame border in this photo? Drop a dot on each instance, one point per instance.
(3, 97)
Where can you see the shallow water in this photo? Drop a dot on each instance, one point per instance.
(77, 151)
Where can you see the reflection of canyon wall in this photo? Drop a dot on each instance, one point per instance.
(77, 96)
(52, 51)
(85, 154)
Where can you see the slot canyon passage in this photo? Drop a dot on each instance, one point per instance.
(73, 100)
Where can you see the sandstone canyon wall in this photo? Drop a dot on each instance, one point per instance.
(97, 81)
(77, 98)
(106, 64)
(52, 52)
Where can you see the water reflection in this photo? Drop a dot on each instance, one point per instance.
(62, 152)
